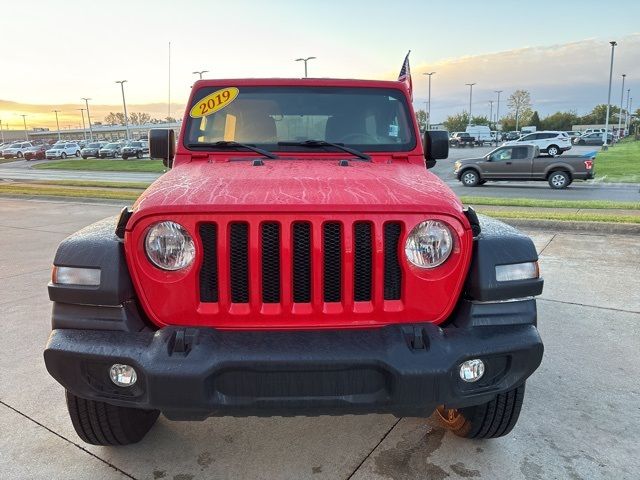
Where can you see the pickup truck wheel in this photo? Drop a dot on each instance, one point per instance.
(139, 155)
(489, 420)
(99, 423)
(470, 178)
(559, 180)
(553, 150)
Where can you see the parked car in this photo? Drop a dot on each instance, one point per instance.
(592, 139)
(481, 133)
(92, 150)
(573, 134)
(63, 150)
(553, 143)
(16, 150)
(137, 149)
(110, 150)
(36, 153)
(461, 139)
(512, 135)
(522, 162)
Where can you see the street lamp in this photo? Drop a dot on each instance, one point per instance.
(606, 124)
(24, 120)
(305, 60)
(621, 102)
(84, 129)
(1, 133)
(57, 123)
(200, 72)
(86, 102)
(490, 111)
(626, 118)
(429, 109)
(470, 98)
(124, 103)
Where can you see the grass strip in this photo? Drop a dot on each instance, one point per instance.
(105, 165)
(620, 163)
(90, 183)
(52, 191)
(543, 203)
(565, 217)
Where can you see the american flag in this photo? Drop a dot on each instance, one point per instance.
(405, 74)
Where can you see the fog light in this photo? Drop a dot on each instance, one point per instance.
(123, 375)
(472, 370)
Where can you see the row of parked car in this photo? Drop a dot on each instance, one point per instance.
(63, 149)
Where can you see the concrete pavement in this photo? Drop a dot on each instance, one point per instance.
(580, 419)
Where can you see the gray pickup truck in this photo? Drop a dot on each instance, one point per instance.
(523, 162)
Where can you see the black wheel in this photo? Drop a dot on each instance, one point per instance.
(63, 156)
(559, 180)
(489, 420)
(553, 151)
(124, 157)
(470, 178)
(77, 153)
(580, 142)
(139, 155)
(19, 155)
(84, 156)
(99, 423)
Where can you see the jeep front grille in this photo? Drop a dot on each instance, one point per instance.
(349, 259)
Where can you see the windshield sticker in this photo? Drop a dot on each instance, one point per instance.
(214, 102)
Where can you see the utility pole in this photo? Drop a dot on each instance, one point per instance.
(305, 60)
(470, 98)
(57, 123)
(200, 72)
(605, 135)
(24, 120)
(86, 102)
(497, 112)
(621, 104)
(84, 129)
(124, 104)
(1, 132)
(626, 118)
(490, 112)
(429, 107)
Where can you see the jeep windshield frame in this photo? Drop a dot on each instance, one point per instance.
(282, 118)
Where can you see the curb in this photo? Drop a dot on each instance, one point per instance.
(569, 226)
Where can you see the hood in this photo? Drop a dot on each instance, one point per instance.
(465, 161)
(298, 185)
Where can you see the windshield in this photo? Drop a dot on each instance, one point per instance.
(93, 145)
(111, 145)
(15, 145)
(134, 144)
(371, 119)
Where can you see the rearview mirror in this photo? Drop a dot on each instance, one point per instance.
(436, 146)
(162, 144)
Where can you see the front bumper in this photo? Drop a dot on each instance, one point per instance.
(193, 373)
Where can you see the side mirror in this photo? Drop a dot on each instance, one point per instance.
(436, 146)
(162, 144)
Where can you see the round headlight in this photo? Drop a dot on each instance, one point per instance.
(429, 244)
(169, 246)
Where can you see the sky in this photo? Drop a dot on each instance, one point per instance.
(54, 53)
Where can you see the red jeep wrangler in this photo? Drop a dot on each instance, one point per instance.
(297, 259)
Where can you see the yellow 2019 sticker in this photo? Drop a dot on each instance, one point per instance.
(214, 102)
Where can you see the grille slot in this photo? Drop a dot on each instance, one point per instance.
(271, 262)
(392, 270)
(209, 269)
(239, 262)
(302, 262)
(362, 261)
(332, 244)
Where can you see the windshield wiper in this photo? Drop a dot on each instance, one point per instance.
(323, 143)
(228, 144)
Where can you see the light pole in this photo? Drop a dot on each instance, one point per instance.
(84, 129)
(1, 132)
(200, 72)
(621, 105)
(626, 118)
(497, 112)
(490, 111)
(57, 123)
(305, 60)
(86, 102)
(124, 104)
(429, 109)
(470, 98)
(24, 121)
(606, 124)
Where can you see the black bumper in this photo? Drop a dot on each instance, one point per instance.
(193, 373)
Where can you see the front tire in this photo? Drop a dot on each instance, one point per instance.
(100, 423)
(553, 151)
(77, 154)
(558, 180)
(490, 420)
(19, 155)
(63, 156)
(139, 155)
(470, 178)
(84, 157)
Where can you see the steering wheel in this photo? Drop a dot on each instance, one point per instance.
(352, 138)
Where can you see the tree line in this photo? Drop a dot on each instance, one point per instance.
(135, 118)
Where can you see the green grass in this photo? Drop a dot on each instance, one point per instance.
(91, 183)
(105, 165)
(72, 192)
(542, 203)
(620, 163)
(562, 216)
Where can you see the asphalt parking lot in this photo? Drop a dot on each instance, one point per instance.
(580, 420)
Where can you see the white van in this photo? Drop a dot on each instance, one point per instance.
(481, 133)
